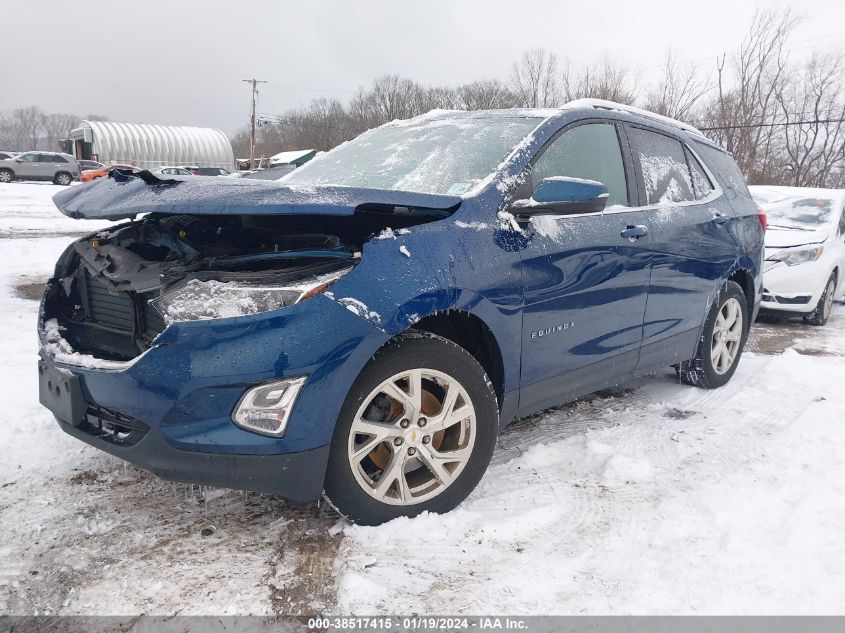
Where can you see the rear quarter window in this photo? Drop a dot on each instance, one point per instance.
(722, 164)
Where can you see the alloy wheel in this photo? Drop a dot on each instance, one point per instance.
(727, 336)
(412, 437)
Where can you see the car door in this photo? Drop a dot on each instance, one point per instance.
(693, 249)
(27, 166)
(52, 164)
(584, 281)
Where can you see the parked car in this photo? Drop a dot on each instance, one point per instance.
(7, 155)
(270, 173)
(368, 326)
(805, 251)
(171, 171)
(207, 171)
(61, 169)
(92, 174)
(89, 164)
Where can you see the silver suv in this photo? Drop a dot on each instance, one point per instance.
(61, 169)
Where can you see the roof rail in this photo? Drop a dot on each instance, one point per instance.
(612, 105)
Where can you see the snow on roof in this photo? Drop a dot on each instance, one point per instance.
(603, 104)
(299, 155)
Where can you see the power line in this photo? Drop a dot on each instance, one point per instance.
(772, 124)
(281, 120)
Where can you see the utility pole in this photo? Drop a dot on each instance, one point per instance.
(254, 83)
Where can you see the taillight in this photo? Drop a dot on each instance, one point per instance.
(764, 221)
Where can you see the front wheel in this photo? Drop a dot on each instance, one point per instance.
(6, 175)
(722, 340)
(821, 314)
(415, 433)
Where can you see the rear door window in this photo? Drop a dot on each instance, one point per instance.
(590, 151)
(662, 164)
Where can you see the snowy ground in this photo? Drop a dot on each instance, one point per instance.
(653, 498)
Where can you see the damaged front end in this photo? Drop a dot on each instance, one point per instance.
(114, 292)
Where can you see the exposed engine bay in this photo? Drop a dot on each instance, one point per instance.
(114, 292)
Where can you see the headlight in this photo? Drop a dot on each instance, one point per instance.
(213, 299)
(796, 256)
(266, 409)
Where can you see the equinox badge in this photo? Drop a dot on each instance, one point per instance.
(560, 327)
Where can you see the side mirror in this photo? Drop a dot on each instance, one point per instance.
(563, 196)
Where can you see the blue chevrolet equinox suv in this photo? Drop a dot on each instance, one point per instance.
(365, 327)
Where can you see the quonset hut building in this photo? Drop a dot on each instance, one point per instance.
(150, 146)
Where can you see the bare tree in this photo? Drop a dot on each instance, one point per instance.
(608, 79)
(440, 97)
(812, 107)
(485, 94)
(746, 101)
(390, 97)
(678, 91)
(21, 129)
(56, 128)
(534, 79)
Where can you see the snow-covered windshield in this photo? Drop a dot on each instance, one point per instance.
(426, 155)
(796, 212)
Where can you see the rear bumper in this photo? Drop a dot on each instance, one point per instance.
(295, 476)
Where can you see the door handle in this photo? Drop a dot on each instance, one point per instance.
(633, 233)
(719, 218)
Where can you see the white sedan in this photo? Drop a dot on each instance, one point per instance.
(804, 269)
(172, 171)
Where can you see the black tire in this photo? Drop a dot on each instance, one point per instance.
(62, 178)
(6, 175)
(701, 371)
(821, 314)
(409, 351)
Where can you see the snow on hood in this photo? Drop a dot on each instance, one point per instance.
(785, 238)
(127, 196)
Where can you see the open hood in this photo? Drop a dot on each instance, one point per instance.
(124, 196)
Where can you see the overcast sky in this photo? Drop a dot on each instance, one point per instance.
(182, 62)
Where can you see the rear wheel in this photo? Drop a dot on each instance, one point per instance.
(821, 314)
(415, 434)
(63, 178)
(6, 175)
(722, 341)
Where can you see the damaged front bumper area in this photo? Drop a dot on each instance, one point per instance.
(159, 388)
(170, 409)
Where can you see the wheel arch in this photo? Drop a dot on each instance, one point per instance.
(745, 280)
(470, 332)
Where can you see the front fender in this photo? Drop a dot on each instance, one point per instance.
(435, 268)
